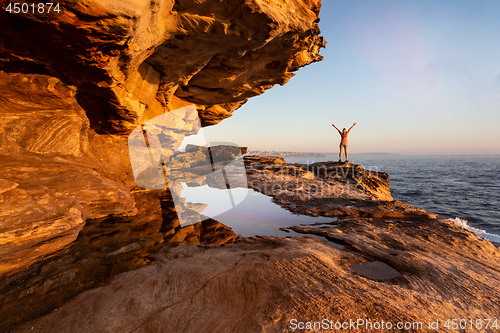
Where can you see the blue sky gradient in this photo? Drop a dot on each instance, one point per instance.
(419, 77)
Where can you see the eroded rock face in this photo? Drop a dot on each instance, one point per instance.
(376, 260)
(52, 182)
(323, 180)
(373, 182)
(131, 60)
(74, 84)
(104, 248)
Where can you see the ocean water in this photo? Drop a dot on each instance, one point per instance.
(462, 188)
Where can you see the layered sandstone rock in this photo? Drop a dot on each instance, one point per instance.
(273, 176)
(75, 83)
(262, 284)
(104, 248)
(376, 260)
(379, 260)
(52, 180)
(130, 60)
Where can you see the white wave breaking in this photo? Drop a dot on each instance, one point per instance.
(481, 233)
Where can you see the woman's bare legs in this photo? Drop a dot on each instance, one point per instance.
(340, 154)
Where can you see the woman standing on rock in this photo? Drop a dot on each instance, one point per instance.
(343, 141)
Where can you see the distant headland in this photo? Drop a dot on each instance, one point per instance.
(285, 153)
(393, 154)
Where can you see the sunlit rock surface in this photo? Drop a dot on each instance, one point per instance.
(330, 180)
(74, 84)
(53, 181)
(377, 260)
(261, 284)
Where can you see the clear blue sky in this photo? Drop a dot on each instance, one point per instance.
(419, 77)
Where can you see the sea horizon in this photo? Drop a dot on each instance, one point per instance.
(370, 153)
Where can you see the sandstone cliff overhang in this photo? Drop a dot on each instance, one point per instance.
(132, 60)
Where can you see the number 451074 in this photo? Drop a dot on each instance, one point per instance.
(40, 8)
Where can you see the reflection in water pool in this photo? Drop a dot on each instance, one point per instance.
(217, 200)
(256, 215)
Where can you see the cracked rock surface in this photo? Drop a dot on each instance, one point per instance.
(377, 260)
(261, 284)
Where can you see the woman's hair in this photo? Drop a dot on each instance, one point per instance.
(344, 131)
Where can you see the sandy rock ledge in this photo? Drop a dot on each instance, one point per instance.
(260, 284)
